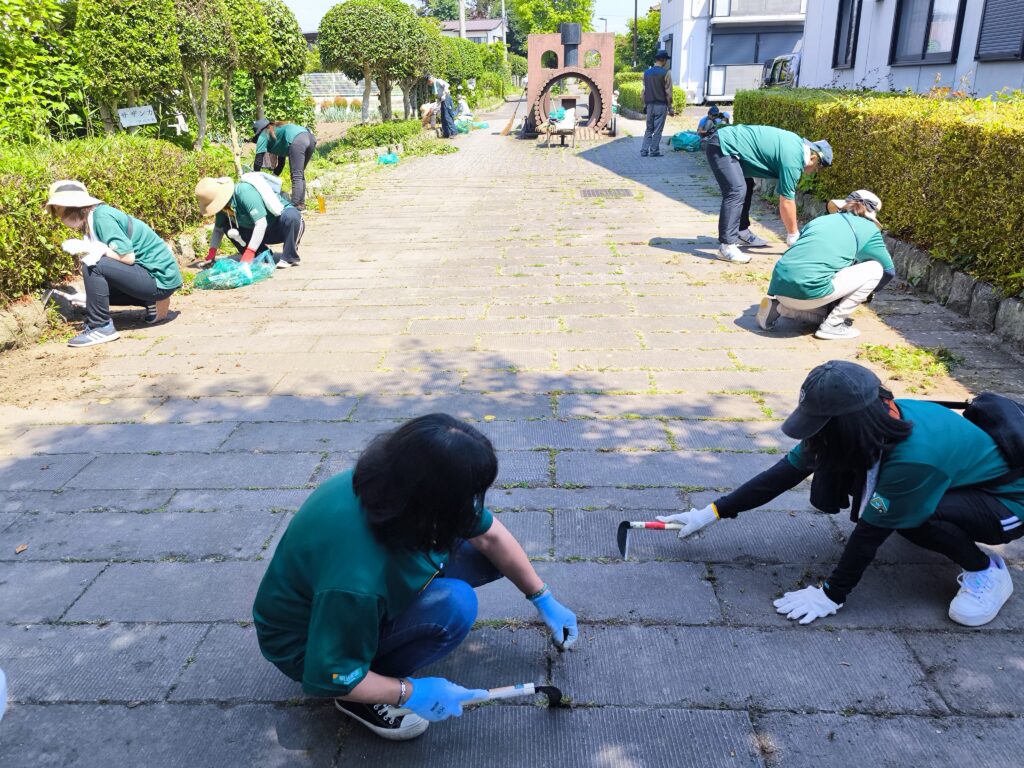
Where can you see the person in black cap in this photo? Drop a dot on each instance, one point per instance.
(739, 153)
(910, 466)
(279, 141)
(657, 94)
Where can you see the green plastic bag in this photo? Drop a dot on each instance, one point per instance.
(387, 159)
(228, 273)
(463, 126)
(557, 114)
(687, 141)
(481, 125)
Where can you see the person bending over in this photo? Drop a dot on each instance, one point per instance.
(911, 467)
(277, 142)
(374, 577)
(837, 263)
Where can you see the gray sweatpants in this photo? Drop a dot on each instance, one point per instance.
(656, 114)
(850, 288)
(299, 155)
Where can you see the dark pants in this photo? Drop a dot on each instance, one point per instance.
(656, 114)
(448, 128)
(112, 282)
(737, 192)
(283, 229)
(439, 618)
(299, 155)
(962, 518)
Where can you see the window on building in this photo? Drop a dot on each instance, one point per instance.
(752, 47)
(667, 45)
(847, 23)
(926, 31)
(478, 39)
(1002, 31)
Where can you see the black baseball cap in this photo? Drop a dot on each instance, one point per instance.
(661, 55)
(835, 388)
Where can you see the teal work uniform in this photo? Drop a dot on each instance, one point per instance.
(330, 587)
(248, 205)
(284, 135)
(827, 244)
(110, 226)
(766, 152)
(944, 451)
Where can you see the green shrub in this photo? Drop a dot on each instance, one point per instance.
(950, 172)
(150, 179)
(627, 76)
(493, 83)
(631, 97)
(381, 134)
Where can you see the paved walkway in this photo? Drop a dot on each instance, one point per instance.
(616, 367)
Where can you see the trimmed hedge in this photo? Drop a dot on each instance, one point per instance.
(631, 97)
(625, 76)
(950, 172)
(150, 179)
(381, 134)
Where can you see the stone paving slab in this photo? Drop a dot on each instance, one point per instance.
(811, 741)
(312, 436)
(84, 501)
(578, 434)
(585, 499)
(114, 662)
(976, 673)
(40, 473)
(272, 500)
(33, 592)
(149, 536)
(475, 407)
(91, 411)
(123, 438)
(532, 529)
(491, 657)
(278, 408)
(199, 470)
(151, 734)
(126, 592)
(686, 468)
(671, 406)
(584, 738)
(747, 667)
(728, 435)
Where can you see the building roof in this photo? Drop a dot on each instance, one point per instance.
(472, 25)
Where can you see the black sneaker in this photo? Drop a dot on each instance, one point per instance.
(382, 720)
(151, 313)
(643, 153)
(655, 154)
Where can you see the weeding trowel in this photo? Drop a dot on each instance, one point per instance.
(627, 525)
(513, 692)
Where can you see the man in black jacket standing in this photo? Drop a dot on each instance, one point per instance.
(657, 94)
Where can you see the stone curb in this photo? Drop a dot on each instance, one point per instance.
(977, 300)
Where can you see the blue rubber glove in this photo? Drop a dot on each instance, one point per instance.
(434, 698)
(560, 620)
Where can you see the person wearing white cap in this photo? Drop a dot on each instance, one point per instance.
(837, 263)
(124, 262)
(737, 155)
(910, 467)
(241, 212)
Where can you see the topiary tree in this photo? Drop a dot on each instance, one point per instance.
(290, 45)
(407, 59)
(256, 53)
(537, 16)
(359, 38)
(129, 51)
(422, 58)
(207, 49)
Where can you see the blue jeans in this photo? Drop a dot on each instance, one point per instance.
(439, 618)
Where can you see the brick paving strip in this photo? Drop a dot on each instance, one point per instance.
(616, 367)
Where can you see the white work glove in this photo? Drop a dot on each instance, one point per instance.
(806, 604)
(88, 251)
(693, 520)
(792, 238)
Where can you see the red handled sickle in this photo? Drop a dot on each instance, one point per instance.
(626, 526)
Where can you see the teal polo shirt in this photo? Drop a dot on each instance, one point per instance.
(331, 585)
(248, 205)
(766, 152)
(110, 226)
(284, 135)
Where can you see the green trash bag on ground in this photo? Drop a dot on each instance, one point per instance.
(463, 126)
(687, 141)
(387, 159)
(481, 125)
(228, 273)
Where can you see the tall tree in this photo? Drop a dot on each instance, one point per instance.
(286, 37)
(129, 51)
(207, 50)
(443, 10)
(537, 16)
(647, 42)
(256, 53)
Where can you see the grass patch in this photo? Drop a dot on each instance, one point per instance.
(57, 326)
(917, 366)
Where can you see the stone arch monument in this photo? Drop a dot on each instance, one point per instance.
(570, 50)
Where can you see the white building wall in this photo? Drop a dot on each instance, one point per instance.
(871, 65)
(687, 22)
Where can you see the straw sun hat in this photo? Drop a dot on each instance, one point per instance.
(68, 193)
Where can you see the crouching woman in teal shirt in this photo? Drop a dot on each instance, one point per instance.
(374, 577)
(124, 262)
(911, 467)
(837, 263)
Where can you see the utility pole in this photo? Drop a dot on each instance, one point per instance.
(635, 21)
(504, 26)
(462, 19)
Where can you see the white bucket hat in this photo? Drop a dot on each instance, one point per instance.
(68, 193)
(868, 199)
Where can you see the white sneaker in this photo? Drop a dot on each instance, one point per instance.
(768, 313)
(282, 264)
(382, 720)
(836, 331)
(982, 594)
(731, 252)
(751, 240)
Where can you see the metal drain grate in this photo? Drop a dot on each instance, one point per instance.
(606, 193)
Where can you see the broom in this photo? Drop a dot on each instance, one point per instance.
(508, 128)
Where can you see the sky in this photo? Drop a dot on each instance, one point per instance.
(309, 12)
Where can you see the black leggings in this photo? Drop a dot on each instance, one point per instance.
(963, 517)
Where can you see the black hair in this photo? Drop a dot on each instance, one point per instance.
(423, 484)
(855, 441)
